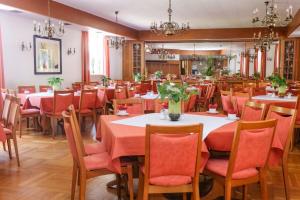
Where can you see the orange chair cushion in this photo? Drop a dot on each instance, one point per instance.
(219, 167)
(98, 161)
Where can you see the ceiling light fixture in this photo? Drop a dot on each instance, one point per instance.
(170, 27)
(49, 30)
(116, 41)
(263, 41)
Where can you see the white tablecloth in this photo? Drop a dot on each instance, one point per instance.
(150, 96)
(276, 98)
(210, 123)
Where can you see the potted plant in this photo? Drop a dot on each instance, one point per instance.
(158, 74)
(256, 76)
(105, 80)
(282, 85)
(208, 71)
(176, 94)
(137, 77)
(55, 82)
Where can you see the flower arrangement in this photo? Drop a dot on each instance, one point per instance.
(55, 82)
(175, 94)
(105, 80)
(137, 77)
(158, 74)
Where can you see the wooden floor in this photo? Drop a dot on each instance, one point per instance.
(46, 164)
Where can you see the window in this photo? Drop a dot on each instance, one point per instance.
(96, 51)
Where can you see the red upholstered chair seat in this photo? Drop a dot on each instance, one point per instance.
(94, 148)
(219, 166)
(98, 161)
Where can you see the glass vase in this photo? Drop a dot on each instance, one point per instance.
(174, 110)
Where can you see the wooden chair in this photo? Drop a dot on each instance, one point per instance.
(33, 113)
(26, 89)
(77, 86)
(239, 170)
(238, 101)
(145, 87)
(131, 91)
(45, 88)
(184, 144)
(61, 101)
(253, 111)
(121, 93)
(285, 127)
(158, 104)
(134, 106)
(5, 111)
(88, 166)
(87, 106)
(226, 101)
(295, 135)
(204, 102)
(12, 126)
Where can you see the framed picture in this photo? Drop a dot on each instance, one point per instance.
(47, 55)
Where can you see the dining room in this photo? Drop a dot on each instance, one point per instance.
(149, 100)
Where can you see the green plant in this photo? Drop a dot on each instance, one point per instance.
(137, 77)
(225, 72)
(55, 82)
(105, 80)
(208, 71)
(158, 74)
(174, 92)
(256, 75)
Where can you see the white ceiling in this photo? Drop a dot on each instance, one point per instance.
(235, 46)
(200, 13)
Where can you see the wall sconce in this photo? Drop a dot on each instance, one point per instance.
(71, 51)
(269, 59)
(26, 46)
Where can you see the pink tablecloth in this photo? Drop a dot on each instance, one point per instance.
(123, 140)
(2, 135)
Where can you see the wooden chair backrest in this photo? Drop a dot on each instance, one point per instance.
(29, 88)
(44, 88)
(88, 96)
(117, 102)
(255, 105)
(172, 131)
(57, 102)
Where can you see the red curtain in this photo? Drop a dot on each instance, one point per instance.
(85, 64)
(276, 59)
(263, 64)
(106, 56)
(247, 63)
(2, 84)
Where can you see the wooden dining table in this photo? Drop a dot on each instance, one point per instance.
(125, 135)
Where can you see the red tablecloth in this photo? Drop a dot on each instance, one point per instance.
(123, 140)
(277, 103)
(2, 134)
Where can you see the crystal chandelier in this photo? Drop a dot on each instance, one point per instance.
(170, 27)
(115, 41)
(271, 19)
(49, 30)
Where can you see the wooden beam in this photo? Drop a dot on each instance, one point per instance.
(230, 34)
(295, 23)
(67, 13)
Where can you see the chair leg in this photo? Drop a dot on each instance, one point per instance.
(4, 146)
(20, 126)
(9, 148)
(80, 122)
(244, 192)
(16, 149)
(227, 191)
(141, 186)
(286, 180)
(196, 192)
(95, 119)
(130, 181)
(82, 188)
(184, 196)
(119, 186)
(27, 122)
(263, 186)
(53, 126)
(74, 180)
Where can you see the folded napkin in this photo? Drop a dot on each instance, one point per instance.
(122, 107)
(213, 106)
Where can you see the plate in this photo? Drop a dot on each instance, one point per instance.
(209, 112)
(122, 114)
(237, 118)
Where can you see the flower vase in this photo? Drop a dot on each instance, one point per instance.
(174, 110)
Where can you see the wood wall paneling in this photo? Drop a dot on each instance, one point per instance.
(295, 23)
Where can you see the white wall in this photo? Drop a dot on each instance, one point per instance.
(19, 66)
(116, 57)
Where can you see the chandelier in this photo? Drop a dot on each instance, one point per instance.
(49, 30)
(271, 19)
(115, 41)
(170, 27)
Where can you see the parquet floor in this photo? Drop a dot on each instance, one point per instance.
(45, 173)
